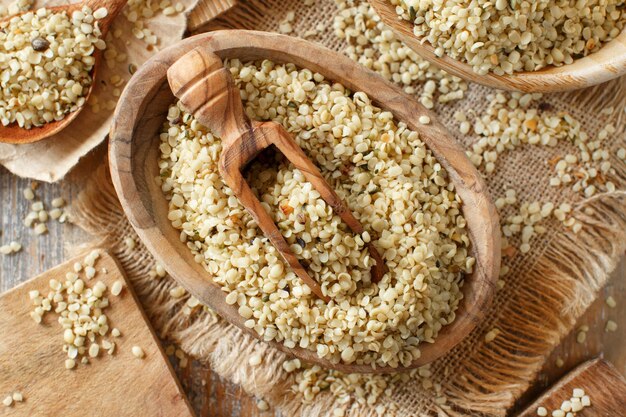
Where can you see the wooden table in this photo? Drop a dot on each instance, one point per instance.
(212, 396)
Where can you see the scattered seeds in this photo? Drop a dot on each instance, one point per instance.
(262, 405)
(610, 301)
(117, 287)
(70, 363)
(130, 243)
(138, 352)
(491, 335)
(178, 292)
(255, 360)
(611, 326)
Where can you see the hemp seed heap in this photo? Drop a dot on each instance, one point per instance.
(507, 36)
(389, 179)
(46, 61)
(81, 312)
(38, 217)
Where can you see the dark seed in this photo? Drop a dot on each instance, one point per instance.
(40, 44)
(301, 242)
(132, 68)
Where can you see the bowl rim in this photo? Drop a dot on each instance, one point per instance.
(139, 206)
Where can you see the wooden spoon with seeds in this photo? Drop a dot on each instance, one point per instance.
(207, 90)
(606, 64)
(13, 133)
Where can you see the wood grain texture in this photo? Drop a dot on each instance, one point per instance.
(15, 134)
(604, 385)
(211, 396)
(606, 64)
(207, 10)
(133, 154)
(32, 362)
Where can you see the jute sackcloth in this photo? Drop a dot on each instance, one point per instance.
(544, 293)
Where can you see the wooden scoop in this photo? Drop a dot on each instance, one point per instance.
(15, 134)
(604, 65)
(207, 90)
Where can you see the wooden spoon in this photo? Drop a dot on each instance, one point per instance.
(207, 90)
(604, 65)
(134, 154)
(15, 134)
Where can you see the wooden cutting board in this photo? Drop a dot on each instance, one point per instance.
(32, 360)
(604, 385)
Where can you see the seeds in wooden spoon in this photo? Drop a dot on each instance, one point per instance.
(371, 163)
(46, 62)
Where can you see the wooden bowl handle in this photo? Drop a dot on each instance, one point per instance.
(207, 90)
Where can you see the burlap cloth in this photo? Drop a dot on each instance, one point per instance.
(545, 292)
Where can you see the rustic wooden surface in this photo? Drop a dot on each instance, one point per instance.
(604, 385)
(32, 363)
(606, 64)
(209, 395)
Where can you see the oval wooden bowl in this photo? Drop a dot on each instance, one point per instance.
(133, 155)
(604, 65)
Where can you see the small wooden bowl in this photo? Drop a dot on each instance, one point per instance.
(606, 64)
(134, 142)
(13, 133)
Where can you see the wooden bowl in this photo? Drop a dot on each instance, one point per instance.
(606, 64)
(133, 152)
(13, 133)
